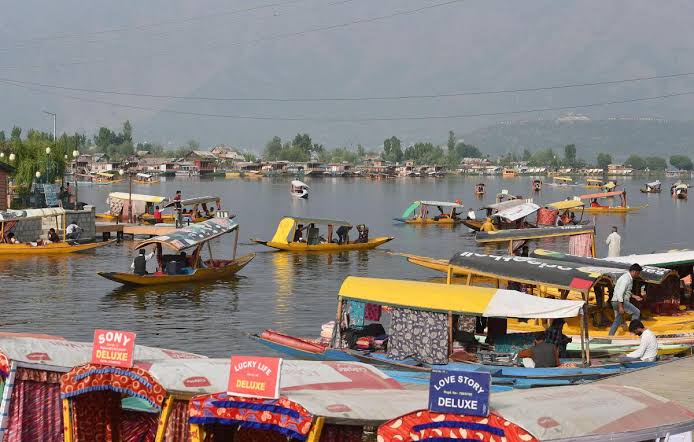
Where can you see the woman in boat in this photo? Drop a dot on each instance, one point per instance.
(12, 239)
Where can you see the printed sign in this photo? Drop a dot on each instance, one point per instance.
(254, 376)
(113, 347)
(50, 192)
(459, 392)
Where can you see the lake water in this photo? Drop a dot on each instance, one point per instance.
(294, 293)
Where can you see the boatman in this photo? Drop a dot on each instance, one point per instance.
(614, 243)
(541, 355)
(179, 208)
(487, 226)
(73, 231)
(622, 295)
(648, 345)
(139, 264)
(471, 214)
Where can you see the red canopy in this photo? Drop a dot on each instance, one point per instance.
(591, 196)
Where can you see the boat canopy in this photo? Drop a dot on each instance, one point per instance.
(655, 183)
(542, 271)
(194, 201)
(477, 301)
(533, 233)
(609, 186)
(504, 204)
(562, 178)
(442, 204)
(664, 259)
(144, 175)
(106, 174)
(566, 204)
(137, 197)
(297, 183)
(11, 215)
(193, 235)
(593, 181)
(652, 275)
(681, 186)
(591, 196)
(517, 212)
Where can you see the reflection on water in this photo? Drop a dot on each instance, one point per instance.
(292, 292)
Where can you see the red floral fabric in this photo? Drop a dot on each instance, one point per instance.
(35, 411)
(280, 415)
(134, 382)
(425, 425)
(4, 365)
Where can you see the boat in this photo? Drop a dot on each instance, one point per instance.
(509, 217)
(561, 181)
(679, 190)
(119, 204)
(146, 178)
(193, 210)
(479, 189)
(593, 183)
(106, 178)
(426, 343)
(537, 185)
(508, 173)
(195, 237)
(33, 246)
(652, 187)
(505, 196)
(290, 236)
(622, 207)
(491, 209)
(516, 238)
(419, 213)
(299, 189)
(561, 213)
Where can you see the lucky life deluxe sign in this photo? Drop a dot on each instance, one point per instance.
(459, 392)
(113, 347)
(254, 376)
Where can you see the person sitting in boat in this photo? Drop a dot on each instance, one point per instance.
(313, 235)
(52, 236)
(73, 231)
(541, 355)
(647, 350)
(363, 233)
(471, 214)
(343, 234)
(488, 226)
(554, 336)
(157, 215)
(12, 239)
(139, 265)
(595, 203)
(298, 237)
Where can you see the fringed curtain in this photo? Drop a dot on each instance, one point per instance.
(95, 416)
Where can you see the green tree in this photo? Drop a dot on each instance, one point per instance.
(361, 152)
(451, 142)
(193, 145)
(16, 133)
(249, 156)
(570, 155)
(392, 149)
(273, 149)
(681, 162)
(127, 132)
(636, 162)
(544, 157)
(303, 142)
(425, 153)
(655, 163)
(527, 155)
(603, 160)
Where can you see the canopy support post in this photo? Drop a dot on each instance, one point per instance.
(316, 430)
(196, 433)
(449, 275)
(450, 332)
(236, 243)
(163, 419)
(209, 250)
(196, 256)
(67, 421)
(338, 322)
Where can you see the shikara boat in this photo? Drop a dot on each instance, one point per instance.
(509, 217)
(146, 178)
(491, 209)
(652, 187)
(622, 207)
(679, 190)
(422, 328)
(290, 236)
(106, 178)
(421, 212)
(194, 210)
(537, 185)
(299, 189)
(27, 249)
(119, 203)
(170, 270)
(479, 189)
(561, 181)
(561, 213)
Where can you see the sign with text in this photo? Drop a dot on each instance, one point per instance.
(254, 376)
(459, 392)
(113, 347)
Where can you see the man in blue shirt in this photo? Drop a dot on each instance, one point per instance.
(621, 297)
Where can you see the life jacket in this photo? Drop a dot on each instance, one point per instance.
(140, 265)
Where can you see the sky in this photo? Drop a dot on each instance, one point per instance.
(290, 52)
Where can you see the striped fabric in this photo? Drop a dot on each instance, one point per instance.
(35, 411)
(177, 427)
(138, 426)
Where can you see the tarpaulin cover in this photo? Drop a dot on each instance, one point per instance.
(505, 204)
(664, 259)
(196, 200)
(192, 235)
(653, 275)
(134, 382)
(426, 425)
(280, 415)
(532, 233)
(517, 212)
(516, 268)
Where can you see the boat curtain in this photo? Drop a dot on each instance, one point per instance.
(115, 206)
(138, 426)
(341, 433)
(35, 409)
(95, 416)
(177, 428)
(418, 334)
(581, 245)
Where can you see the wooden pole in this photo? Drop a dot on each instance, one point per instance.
(209, 250)
(338, 321)
(450, 332)
(449, 274)
(585, 328)
(316, 430)
(236, 243)
(163, 419)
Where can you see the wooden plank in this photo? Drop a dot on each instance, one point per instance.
(134, 229)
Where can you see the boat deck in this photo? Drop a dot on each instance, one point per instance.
(120, 229)
(670, 380)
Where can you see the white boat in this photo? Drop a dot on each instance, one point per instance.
(299, 189)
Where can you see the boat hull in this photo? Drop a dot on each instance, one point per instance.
(49, 249)
(228, 270)
(326, 247)
(614, 209)
(429, 221)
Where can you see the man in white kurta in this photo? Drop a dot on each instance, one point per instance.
(614, 243)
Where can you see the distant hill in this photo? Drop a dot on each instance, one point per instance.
(619, 137)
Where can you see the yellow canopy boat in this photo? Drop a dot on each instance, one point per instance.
(118, 203)
(290, 237)
(448, 213)
(173, 269)
(596, 207)
(146, 178)
(58, 248)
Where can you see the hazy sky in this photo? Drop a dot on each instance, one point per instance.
(281, 49)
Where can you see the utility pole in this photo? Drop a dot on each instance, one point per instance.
(53, 115)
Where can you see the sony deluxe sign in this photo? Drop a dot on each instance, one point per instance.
(113, 347)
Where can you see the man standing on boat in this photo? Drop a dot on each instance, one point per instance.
(614, 243)
(179, 209)
(621, 297)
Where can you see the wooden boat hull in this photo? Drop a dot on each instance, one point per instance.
(614, 209)
(326, 247)
(474, 224)
(49, 249)
(430, 222)
(228, 270)
(146, 182)
(649, 191)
